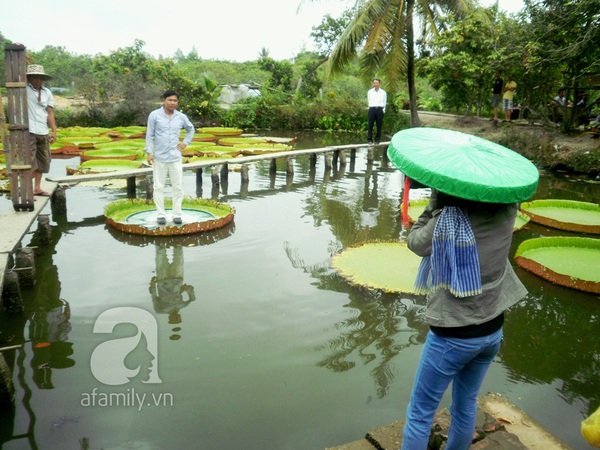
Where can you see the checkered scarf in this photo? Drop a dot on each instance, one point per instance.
(454, 263)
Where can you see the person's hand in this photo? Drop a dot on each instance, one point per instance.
(150, 158)
(181, 146)
(52, 137)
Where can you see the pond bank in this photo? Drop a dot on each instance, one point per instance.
(500, 425)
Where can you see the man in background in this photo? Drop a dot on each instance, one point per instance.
(377, 99)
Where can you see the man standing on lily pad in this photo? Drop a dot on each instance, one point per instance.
(164, 152)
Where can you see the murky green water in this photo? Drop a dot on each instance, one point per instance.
(251, 340)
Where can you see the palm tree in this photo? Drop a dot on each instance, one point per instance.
(381, 34)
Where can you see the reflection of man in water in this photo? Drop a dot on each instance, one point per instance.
(167, 287)
(49, 329)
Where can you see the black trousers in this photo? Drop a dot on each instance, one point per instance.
(375, 116)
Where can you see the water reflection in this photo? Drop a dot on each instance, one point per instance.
(169, 293)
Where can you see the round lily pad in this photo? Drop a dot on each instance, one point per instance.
(138, 216)
(386, 266)
(568, 261)
(583, 217)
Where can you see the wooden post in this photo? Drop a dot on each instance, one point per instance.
(273, 166)
(224, 172)
(58, 205)
(131, 189)
(342, 157)
(19, 157)
(24, 266)
(327, 161)
(214, 175)
(370, 154)
(244, 173)
(289, 165)
(199, 179)
(313, 160)
(149, 187)
(11, 293)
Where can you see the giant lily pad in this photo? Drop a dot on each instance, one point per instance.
(104, 165)
(221, 131)
(111, 153)
(386, 266)
(138, 216)
(463, 165)
(569, 215)
(573, 262)
(231, 141)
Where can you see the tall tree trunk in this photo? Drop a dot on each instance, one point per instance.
(410, 66)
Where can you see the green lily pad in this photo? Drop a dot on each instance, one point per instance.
(573, 262)
(111, 153)
(137, 216)
(583, 217)
(386, 266)
(104, 165)
(221, 131)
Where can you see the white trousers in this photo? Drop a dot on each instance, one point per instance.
(174, 171)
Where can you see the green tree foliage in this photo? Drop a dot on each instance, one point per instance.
(381, 34)
(459, 62)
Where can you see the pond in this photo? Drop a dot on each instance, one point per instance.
(254, 342)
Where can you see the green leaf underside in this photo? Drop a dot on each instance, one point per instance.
(388, 266)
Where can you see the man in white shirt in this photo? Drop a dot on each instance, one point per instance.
(163, 149)
(377, 99)
(40, 112)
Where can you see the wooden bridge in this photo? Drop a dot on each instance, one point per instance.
(219, 168)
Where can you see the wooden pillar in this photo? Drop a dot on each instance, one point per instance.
(58, 204)
(327, 161)
(370, 154)
(342, 157)
(224, 172)
(336, 157)
(19, 158)
(7, 390)
(24, 266)
(44, 231)
(149, 181)
(273, 166)
(214, 175)
(313, 160)
(199, 179)
(244, 173)
(289, 165)
(11, 292)
(131, 189)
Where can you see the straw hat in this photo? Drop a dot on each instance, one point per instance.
(36, 69)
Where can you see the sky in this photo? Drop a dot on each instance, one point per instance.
(228, 30)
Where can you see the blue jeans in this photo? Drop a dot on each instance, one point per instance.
(464, 362)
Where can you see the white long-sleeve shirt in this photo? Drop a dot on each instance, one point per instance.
(377, 98)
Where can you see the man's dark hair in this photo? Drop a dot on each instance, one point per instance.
(377, 79)
(169, 93)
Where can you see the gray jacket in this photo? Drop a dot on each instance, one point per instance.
(493, 228)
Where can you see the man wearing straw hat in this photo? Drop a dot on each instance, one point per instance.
(40, 109)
